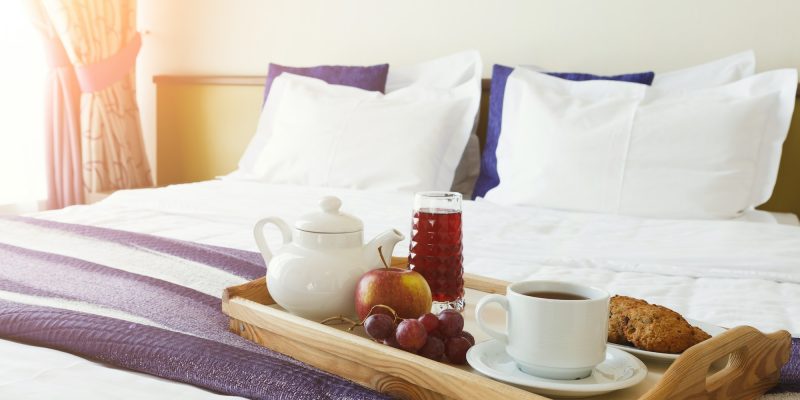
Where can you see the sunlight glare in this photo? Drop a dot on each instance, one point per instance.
(22, 78)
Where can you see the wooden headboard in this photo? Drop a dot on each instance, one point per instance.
(205, 122)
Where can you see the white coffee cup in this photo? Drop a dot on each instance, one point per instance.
(552, 338)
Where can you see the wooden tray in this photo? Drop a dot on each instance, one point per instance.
(753, 366)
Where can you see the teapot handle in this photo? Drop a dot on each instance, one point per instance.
(261, 242)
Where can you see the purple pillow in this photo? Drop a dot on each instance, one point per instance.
(372, 78)
(488, 177)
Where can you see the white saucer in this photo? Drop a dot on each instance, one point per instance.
(620, 370)
(712, 330)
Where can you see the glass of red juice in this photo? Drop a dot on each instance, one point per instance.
(435, 249)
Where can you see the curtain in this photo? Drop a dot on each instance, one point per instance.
(100, 40)
(62, 118)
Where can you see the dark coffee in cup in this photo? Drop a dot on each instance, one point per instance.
(555, 295)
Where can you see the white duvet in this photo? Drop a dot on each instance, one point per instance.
(723, 272)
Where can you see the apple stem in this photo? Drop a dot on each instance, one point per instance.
(380, 254)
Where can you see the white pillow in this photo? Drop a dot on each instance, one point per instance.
(329, 135)
(445, 72)
(616, 147)
(714, 73)
(441, 73)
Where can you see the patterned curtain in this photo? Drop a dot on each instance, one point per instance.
(62, 117)
(101, 41)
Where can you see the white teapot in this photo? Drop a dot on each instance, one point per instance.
(314, 273)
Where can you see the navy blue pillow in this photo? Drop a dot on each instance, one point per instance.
(488, 177)
(372, 78)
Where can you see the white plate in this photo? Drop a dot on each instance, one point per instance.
(619, 370)
(712, 330)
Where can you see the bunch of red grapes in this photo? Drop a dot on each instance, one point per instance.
(431, 336)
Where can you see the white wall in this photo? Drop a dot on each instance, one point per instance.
(241, 37)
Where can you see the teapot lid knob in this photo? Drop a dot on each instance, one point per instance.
(330, 204)
(329, 219)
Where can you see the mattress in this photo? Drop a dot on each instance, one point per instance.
(722, 272)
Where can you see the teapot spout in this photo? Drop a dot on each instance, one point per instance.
(386, 242)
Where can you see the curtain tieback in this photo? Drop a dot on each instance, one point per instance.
(102, 74)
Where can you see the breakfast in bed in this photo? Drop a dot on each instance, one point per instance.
(421, 230)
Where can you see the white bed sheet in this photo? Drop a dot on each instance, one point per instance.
(770, 217)
(722, 272)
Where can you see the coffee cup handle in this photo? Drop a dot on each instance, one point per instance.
(492, 298)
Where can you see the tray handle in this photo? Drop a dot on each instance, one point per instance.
(754, 366)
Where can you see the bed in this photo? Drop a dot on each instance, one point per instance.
(729, 272)
(204, 213)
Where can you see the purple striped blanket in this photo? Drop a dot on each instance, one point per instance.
(146, 304)
(152, 305)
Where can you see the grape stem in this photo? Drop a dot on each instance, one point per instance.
(391, 310)
(340, 319)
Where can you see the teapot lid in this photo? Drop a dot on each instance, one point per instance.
(330, 219)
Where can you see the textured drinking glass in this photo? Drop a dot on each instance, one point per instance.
(435, 249)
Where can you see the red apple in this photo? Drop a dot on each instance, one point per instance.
(405, 291)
